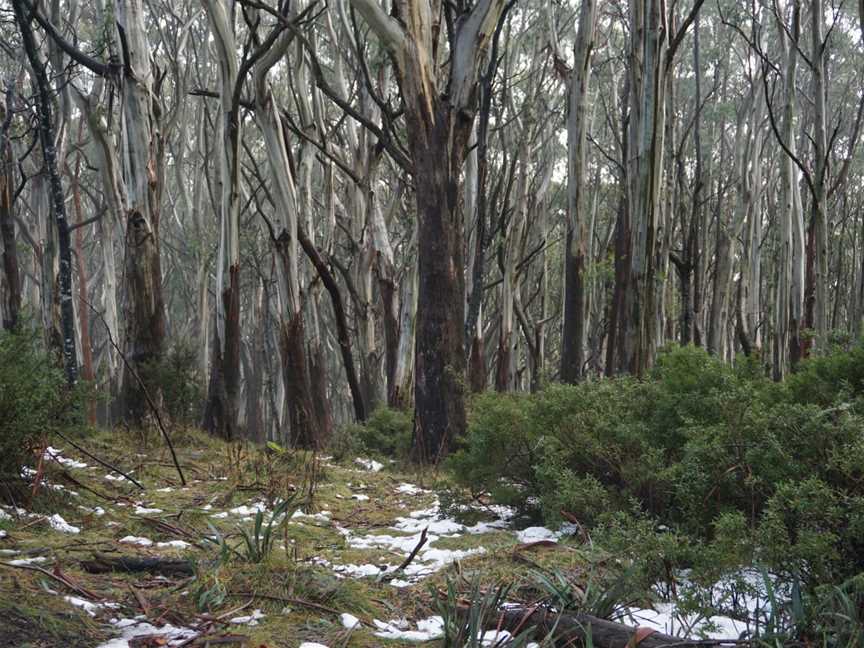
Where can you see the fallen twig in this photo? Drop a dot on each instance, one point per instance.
(290, 601)
(388, 576)
(59, 578)
(98, 460)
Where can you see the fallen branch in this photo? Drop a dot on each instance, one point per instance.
(153, 407)
(98, 460)
(388, 576)
(574, 629)
(60, 579)
(102, 564)
(290, 601)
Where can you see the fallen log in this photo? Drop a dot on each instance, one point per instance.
(168, 566)
(572, 629)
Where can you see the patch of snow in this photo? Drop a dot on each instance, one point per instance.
(223, 514)
(410, 489)
(176, 544)
(111, 477)
(167, 489)
(132, 628)
(136, 540)
(59, 524)
(309, 644)
(57, 455)
(143, 510)
(251, 619)
(28, 561)
(427, 629)
(349, 620)
(98, 511)
(369, 464)
(323, 516)
(536, 533)
(249, 510)
(88, 606)
(494, 637)
(360, 497)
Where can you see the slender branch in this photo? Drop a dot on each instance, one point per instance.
(144, 390)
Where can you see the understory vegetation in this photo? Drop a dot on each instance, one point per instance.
(703, 487)
(703, 466)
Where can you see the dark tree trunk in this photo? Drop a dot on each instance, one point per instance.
(502, 368)
(476, 366)
(391, 334)
(342, 334)
(298, 393)
(615, 355)
(438, 150)
(23, 17)
(320, 399)
(11, 287)
(572, 348)
(222, 408)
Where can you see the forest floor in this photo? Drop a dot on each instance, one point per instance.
(331, 578)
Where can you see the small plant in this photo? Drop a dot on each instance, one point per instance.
(599, 599)
(257, 545)
(465, 623)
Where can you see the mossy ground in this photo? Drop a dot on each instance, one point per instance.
(300, 599)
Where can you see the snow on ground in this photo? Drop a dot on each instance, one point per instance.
(143, 510)
(28, 561)
(369, 464)
(136, 540)
(57, 455)
(88, 606)
(309, 644)
(251, 619)
(138, 627)
(59, 524)
(349, 620)
(427, 629)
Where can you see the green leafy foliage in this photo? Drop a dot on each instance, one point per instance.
(387, 432)
(466, 621)
(256, 545)
(176, 375)
(34, 401)
(701, 465)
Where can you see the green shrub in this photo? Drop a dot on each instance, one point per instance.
(176, 376)
(387, 432)
(34, 402)
(829, 379)
(730, 465)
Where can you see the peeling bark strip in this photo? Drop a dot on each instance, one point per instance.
(49, 154)
(439, 112)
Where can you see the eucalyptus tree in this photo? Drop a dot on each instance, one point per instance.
(439, 112)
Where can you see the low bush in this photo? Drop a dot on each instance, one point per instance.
(700, 465)
(387, 432)
(177, 377)
(34, 402)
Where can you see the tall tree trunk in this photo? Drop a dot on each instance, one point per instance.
(576, 258)
(438, 130)
(146, 320)
(221, 413)
(10, 286)
(45, 125)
